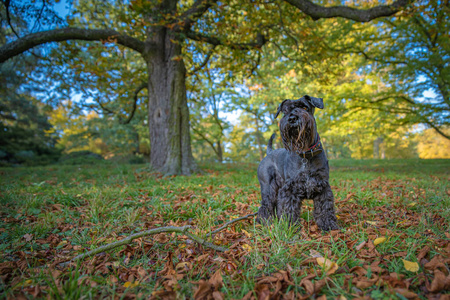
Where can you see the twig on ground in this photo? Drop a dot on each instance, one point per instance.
(229, 223)
(182, 230)
(205, 243)
(127, 240)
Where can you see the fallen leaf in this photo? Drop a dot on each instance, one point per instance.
(202, 257)
(314, 253)
(410, 266)
(405, 293)
(379, 240)
(216, 280)
(247, 247)
(161, 238)
(423, 253)
(246, 233)
(62, 243)
(329, 266)
(129, 284)
(28, 237)
(360, 246)
(440, 282)
(183, 266)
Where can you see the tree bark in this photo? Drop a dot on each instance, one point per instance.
(168, 113)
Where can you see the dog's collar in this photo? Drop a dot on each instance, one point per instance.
(313, 150)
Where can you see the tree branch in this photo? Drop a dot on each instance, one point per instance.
(437, 129)
(205, 139)
(64, 34)
(204, 62)
(229, 223)
(193, 13)
(182, 230)
(136, 92)
(360, 15)
(7, 3)
(127, 240)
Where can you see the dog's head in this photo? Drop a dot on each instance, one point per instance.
(298, 126)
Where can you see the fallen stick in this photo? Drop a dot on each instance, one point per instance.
(229, 223)
(182, 230)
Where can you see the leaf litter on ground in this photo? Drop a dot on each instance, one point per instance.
(355, 262)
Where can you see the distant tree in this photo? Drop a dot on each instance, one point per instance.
(208, 95)
(433, 145)
(24, 126)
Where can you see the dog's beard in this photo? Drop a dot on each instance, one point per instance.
(299, 138)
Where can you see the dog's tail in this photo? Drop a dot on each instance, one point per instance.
(269, 144)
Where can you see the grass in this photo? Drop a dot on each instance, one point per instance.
(50, 214)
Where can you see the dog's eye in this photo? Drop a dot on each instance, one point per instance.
(305, 108)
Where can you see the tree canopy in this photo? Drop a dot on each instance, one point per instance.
(175, 67)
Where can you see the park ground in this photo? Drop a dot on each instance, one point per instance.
(394, 241)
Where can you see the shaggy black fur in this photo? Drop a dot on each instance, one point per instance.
(288, 176)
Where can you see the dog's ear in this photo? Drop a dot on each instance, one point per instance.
(316, 102)
(280, 108)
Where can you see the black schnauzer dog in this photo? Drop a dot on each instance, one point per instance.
(300, 171)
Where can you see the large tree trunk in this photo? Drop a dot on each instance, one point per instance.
(168, 113)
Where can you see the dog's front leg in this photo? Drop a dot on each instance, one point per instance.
(324, 212)
(268, 204)
(290, 198)
(270, 182)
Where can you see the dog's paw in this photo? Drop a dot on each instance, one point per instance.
(264, 217)
(327, 225)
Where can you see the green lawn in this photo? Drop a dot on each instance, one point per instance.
(51, 214)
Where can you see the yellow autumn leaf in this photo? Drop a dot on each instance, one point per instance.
(183, 266)
(401, 222)
(129, 284)
(247, 247)
(412, 204)
(410, 265)
(371, 222)
(379, 240)
(329, 266)
(62, 243)
(246, 233)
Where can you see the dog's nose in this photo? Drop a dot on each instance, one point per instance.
(293, 118)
